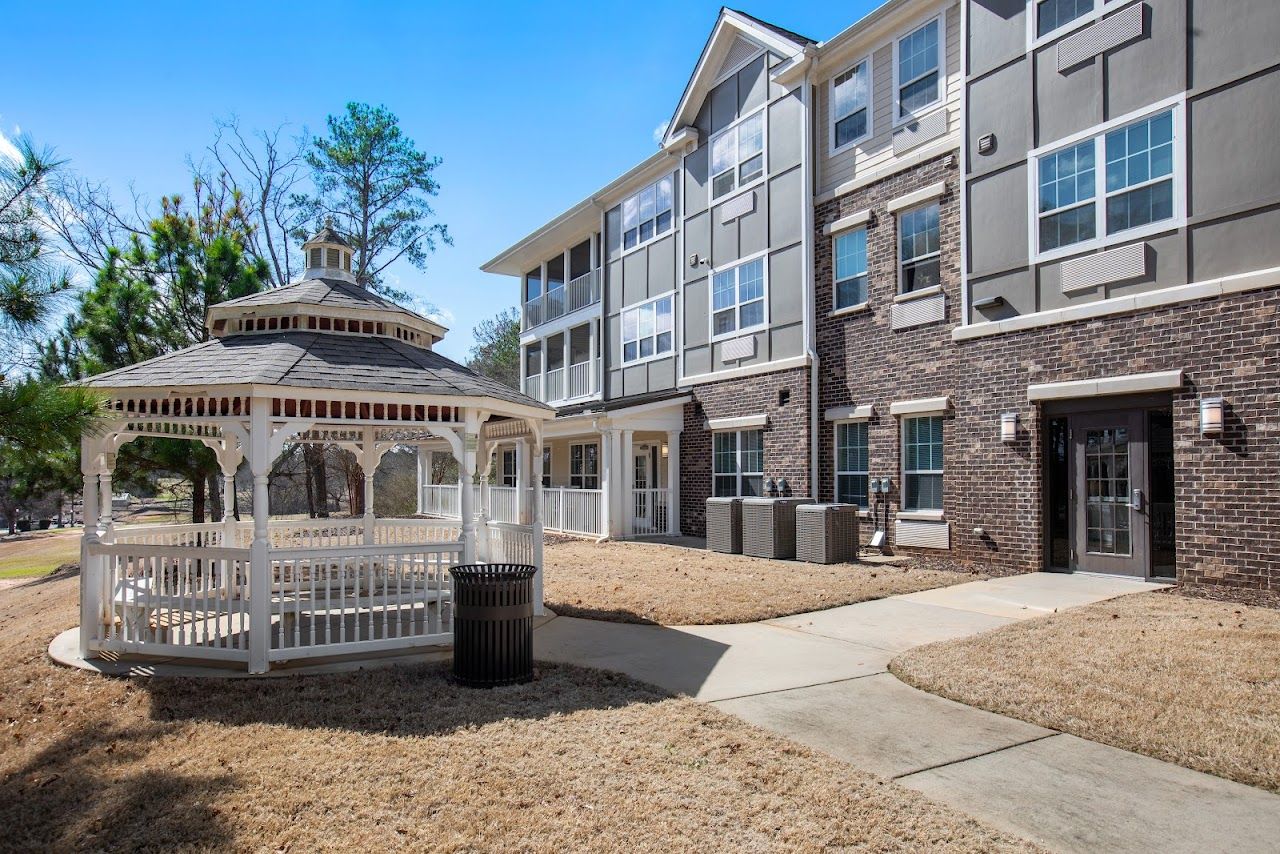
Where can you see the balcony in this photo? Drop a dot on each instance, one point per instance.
(560, 385)
(559, 301)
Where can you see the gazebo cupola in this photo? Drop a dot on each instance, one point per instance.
(328, 255)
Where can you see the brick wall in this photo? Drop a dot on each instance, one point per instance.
(786, 436)
(1227, 488)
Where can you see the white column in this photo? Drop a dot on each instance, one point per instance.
(105, 524)
(259, 550)
(368, 466)
(523, 469)
(90, 565)
(628, 483)
(228, 504)
(607, 486)
(424, 476)
(466, 474)
(535, 522)
(673, 483)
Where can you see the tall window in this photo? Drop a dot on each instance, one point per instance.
(1136, 184)
(646, 330)
(851, 463)
(738, 463)
(922, 463)
(546, 466)
(647, 214)
(509, 468)
(533, 284)
(851, 105)
(919, 58)
(737, 298)
(918, 244)
(584, 466)
(851, 268)
(737, 155)
(1052, 14)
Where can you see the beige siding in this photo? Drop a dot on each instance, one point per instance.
(876, 152)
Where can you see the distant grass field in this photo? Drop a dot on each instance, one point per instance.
(39, 553)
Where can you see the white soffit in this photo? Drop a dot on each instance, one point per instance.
(739, 423)
(850, 413)
(924, 194)
(1127, 384)
(920, 406)
(845, 223)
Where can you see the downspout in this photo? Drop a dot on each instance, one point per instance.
(810, 265)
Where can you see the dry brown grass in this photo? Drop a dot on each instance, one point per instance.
(401, 758)
(635, 582)
(1190, 681)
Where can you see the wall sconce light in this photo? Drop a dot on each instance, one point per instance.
(1009, 427)
(1212, 415)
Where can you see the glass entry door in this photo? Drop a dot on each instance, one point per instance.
(641, 496)
(1110, 493)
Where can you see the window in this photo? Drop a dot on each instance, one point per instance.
(737, 298)
(646, 330)
(737, 156)
(533, 284)
(1135, 184)
(738, 463)
(850, 105)
(922, 463)
(851, 268)
(509, 468)
(1052, 14)
(918, 57)
(584, 466)
(647, 214)
(851, 463)
(918, 241)
(546, 466)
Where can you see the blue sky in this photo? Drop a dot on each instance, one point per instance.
(532, 106)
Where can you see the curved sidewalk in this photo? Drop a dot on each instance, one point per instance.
(822, 679)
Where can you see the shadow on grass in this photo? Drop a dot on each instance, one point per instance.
(407, 700)
(608, 615)
(80, 793)
(64, 571)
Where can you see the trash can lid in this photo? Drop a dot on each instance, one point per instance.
(478, 573)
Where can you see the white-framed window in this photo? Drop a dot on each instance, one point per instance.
(851, 106)
(738, 298)
(737, 155)
(647, 330)
(509, 468)
(850, 252)
(917, 69)
(546, 466)
(1121, 180)
(922, 463)
(737, 463)
(647, 214)
(1052, 15)
(919, 248)
(852, 463)
(584, 466)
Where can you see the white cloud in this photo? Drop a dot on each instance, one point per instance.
(8, 150)
(441, 315)
(659, 132)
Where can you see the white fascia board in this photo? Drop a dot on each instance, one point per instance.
(800, 361)
(850, 413)
(742, 422)
(1104, 386)
(652, 406)
(920, 406)
(686, 136)
(924, 194)
(853, 220)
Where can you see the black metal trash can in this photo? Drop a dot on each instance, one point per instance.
(493, 624)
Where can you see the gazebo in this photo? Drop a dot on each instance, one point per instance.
(321, 360)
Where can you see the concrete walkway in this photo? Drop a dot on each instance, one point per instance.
(821, 679)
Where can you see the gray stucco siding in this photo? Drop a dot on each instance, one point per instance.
(1145, 70)
(998, 228)
(786, 220)
(1000, 104)
(1236, 244)
(785, 118)
(1233, 136)
(997, 33)
(1231, 39)
(695, 314)
(1065, 102)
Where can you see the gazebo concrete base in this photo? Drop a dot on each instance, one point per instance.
(65, 650)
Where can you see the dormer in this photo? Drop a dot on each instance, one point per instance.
(328, 255)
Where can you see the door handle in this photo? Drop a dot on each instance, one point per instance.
(1136, 500)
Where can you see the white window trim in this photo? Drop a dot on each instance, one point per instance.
(1097, 133)
(743, 422)
(835, 281)
(831, 107)
(547, 466)
(835, 447)
(898, 118)
(515, 474)
(622, 231)
(862, 412)
(737, 190)
(1100, 8)
(897, 251)
(925, 513)
(738, 471)
(853, 220)
(711, 297)
(622, 334)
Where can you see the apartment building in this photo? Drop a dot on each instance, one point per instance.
(997, 271)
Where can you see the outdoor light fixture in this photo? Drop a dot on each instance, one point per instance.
(1212, 415)
(1009, 427)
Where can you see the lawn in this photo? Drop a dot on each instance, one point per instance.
(38, 553)
(675, 586)
(401, 758)
(1191, 681)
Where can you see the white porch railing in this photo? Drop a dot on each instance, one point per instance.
(503, 504)
(440, 500)
(562, 384)
(554, 385)
(509, 543)
(569, 511)
(651, 513)
(580, 379)
(566, 299)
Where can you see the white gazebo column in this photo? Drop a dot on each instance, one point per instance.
(523, 496)
(90, 565)
(673, 483)
(466, 476)
(425, 460)
(368, 453)
(105, 523)
(259, 550)
(628, 483)
(535, 521)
